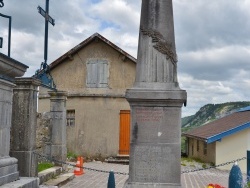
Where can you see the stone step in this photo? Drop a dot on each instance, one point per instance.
(59, 180)
(23, 182)
(122, 156)
(49, 173)
(118, 160)
(46, 186)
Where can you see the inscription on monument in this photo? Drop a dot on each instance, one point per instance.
(148, 114)
(157, 170)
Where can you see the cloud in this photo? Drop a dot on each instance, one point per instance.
(216, 63)
(212, 39)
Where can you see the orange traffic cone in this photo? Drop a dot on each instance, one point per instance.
(79, 166)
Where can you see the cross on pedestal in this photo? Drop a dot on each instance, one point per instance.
(44, 73)
(45, 14)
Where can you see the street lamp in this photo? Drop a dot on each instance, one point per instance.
(9, 38)
(1, 42)
(1, 3)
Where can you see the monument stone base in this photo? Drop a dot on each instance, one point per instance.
(151, 185)
(8, 170)
(155, 148)
(28, 164)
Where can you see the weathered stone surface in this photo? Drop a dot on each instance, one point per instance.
(49, 173)
(8, 170)
(24, 119)
(157, 60)
(43, 137)
(28, 163)
(6, 89)
(23, 182)
(58, 148)
(9, 175)
(8, 165)
(156, 102)
(10, 68)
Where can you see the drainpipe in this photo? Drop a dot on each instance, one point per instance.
(248, 155)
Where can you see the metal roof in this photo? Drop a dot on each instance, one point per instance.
(228, 125)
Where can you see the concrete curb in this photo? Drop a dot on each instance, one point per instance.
(48, 174)
(60, 180)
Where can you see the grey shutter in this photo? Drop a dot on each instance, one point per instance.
(103, 73)
(92, 73)
(97, 73)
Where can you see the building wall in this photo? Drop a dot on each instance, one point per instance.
(198, 152)
(96, 129)
(233, 147)
(71, 74)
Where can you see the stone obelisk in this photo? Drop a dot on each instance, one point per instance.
(156, 101)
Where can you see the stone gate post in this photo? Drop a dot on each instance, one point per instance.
(24, 120)
(58, 148)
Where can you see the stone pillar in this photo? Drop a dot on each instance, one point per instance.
(156, 101)
(9, 69)
(58, 149)
(8, 165)
(24, 120)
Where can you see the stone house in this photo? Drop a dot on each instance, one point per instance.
(96, 74)
(222, 140)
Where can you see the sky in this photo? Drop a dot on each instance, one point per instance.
(212, 40)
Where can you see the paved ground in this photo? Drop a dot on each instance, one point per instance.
(94, 179)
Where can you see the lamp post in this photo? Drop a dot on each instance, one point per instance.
(9, 37)
(1, 42)
(1, 3)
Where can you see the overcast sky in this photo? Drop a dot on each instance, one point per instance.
(212, 39)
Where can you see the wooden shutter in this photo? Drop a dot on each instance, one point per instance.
(103, 73)
(92, 73)
(97, 73)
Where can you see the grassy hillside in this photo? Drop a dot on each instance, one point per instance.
(211, 112)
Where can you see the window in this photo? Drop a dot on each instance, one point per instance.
(70, 117)
(198, 146)
(97, 73)
(205, 148)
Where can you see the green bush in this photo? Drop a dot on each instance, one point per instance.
(204, 166)
(71, 156)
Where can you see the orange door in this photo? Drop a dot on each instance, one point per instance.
(124, 132)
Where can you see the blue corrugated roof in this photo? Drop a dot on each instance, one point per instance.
(227, 133)
(244, 109)
(225, 126)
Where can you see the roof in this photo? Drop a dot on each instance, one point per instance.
(85, 43)
(222, 127)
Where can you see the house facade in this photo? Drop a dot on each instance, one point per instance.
(222, 140)
(96, 74)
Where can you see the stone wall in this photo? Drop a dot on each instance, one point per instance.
(43, 134)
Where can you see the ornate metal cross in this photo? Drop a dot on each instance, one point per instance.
(44, 73)
(48, 19)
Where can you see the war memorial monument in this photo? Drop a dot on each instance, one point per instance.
(156, 101)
